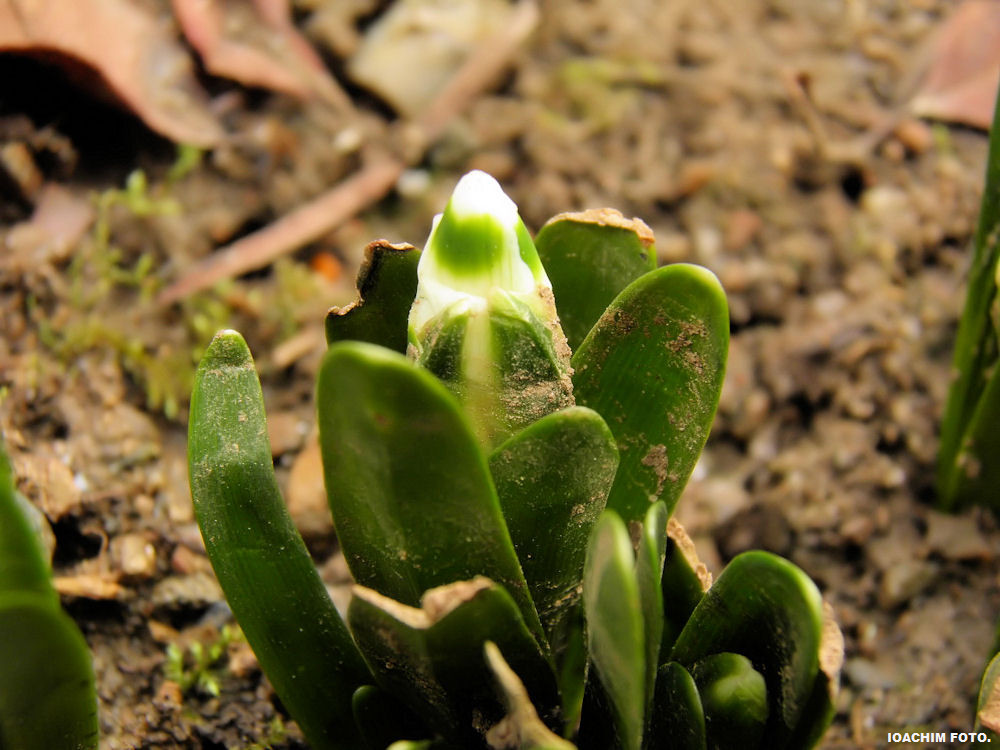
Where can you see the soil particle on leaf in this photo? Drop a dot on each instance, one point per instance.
(656, 460)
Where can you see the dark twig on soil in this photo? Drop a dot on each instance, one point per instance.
(376, 178)
(858, 150)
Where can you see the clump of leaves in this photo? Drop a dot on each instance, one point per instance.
(968, 469)
(47, 693)
(506, 426)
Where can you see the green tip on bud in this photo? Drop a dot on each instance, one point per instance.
(478, 246)
(481, 241)
(481, 287)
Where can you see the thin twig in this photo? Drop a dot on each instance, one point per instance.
(303, 225)
(372, 182)
(856, 151)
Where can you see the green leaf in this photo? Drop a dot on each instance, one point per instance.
(734, 699)
(387, 284)
(818, 713)
(683, 583)
(47, 693)
(23, 562)
(570, 652)
(589, 258)
(410, 491)
(822, 703)
(432, 658)
(976, 347)
(975, 474)
(653, 367)
(615, 626)
(648, 571)
(677, 721)
(269, 579)
(988, 705)
(767, 609)
(552, 479)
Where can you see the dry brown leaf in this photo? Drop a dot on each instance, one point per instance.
(132, 52)
(257, 44)
(961, 81)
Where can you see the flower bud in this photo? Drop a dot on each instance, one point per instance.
(484, 319)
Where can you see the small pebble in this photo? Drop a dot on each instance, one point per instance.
(134, 555)
(904, 580)
(956, 538)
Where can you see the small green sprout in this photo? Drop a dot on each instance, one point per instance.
(277, 732)
(502, 493)
(198, 666)
(188, 159)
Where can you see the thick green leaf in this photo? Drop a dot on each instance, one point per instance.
(767, 609)
(976, 349)
(391, 638)
(734, 699)
(432, 658)
(653, 367)
(615, 626)
(47, 693)
(552, 479)
(683, 583)
(988, 705)
(818, 713)
(570, 653)
(822, 703)
(387, 283)
(258, 556)
(648, 571)
(676, 721)
(411, 495)
(590, 257)
(23, 562)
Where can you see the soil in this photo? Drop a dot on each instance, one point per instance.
(748, 135)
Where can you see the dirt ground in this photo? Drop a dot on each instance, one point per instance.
(767, 140)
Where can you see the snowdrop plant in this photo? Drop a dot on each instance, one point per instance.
(506, 425)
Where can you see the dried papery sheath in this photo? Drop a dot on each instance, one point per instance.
(484, 319)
